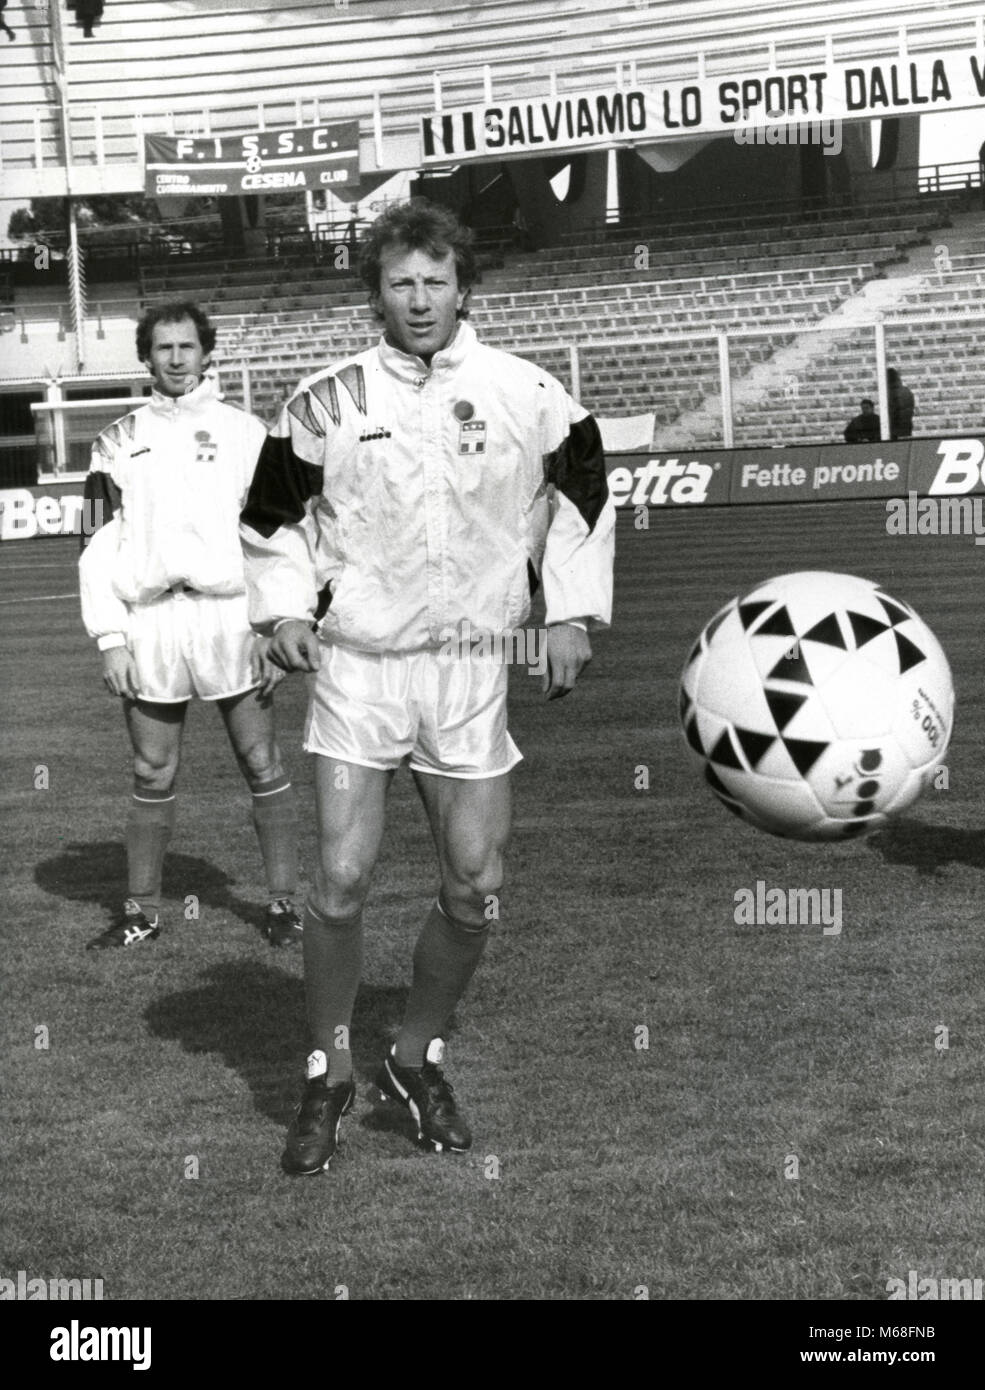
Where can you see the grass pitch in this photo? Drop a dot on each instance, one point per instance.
(664, 1103)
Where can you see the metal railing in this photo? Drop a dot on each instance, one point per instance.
(753, 386)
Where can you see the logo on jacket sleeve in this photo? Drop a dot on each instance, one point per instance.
(472, 437)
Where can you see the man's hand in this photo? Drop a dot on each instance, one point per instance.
(264, 672)
(294, 647)
(120, 672)
(568, 652)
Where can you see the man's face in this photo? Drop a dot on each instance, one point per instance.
(868, 408)
(176, 360)
(419, 299)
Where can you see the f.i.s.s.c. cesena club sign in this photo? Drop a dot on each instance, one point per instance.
(712, 106)
(260, 161)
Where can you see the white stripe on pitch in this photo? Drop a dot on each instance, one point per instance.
(45, 598)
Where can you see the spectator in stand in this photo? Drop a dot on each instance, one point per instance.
(900, 406)
(87, 12)
(864, 429)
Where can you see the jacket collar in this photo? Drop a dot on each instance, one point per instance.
(409, 367)
(205, 393)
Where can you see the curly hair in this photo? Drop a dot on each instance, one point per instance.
(174, 312)
(419, 225)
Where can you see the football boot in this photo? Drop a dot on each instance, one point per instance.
(429, 1098)
(283, 926)
(313, 1134)
(133, 929)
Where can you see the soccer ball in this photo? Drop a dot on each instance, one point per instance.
(817, 707)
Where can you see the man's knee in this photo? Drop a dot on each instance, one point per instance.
(261, 762)
(471, 889)
(341, 884)
(481, 873)
(155, 771)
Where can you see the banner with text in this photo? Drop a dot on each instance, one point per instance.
(51, 509)
(263, 161)
(949, 467)
(714, 106)
(808, 473)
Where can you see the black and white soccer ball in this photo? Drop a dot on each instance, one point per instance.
(818, 706)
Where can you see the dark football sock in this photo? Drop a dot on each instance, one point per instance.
(149, 827)
(333, 961)
(445, 958)
(275, 819)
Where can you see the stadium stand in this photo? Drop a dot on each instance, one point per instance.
(699, 277)
(288, 311)
(155, 65)
(629, 313)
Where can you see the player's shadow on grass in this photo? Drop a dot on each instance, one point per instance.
(252, 1016)
(97, 873)
(930, 848)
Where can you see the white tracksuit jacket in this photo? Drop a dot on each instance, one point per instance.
(396, 502)
(169, 481)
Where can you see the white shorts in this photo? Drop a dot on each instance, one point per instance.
(446, 714)
(189, 644)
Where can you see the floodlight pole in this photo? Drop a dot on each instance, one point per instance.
(76, 271)
(76, 281)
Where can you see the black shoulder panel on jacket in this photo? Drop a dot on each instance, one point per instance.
(280, 488)
(100, 503)
(577, 468)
